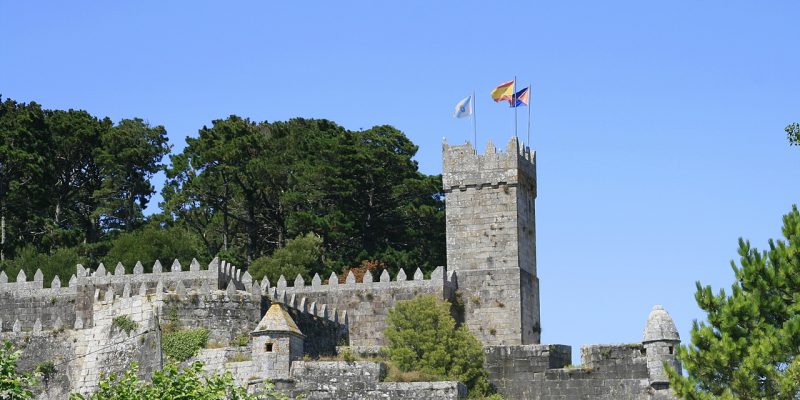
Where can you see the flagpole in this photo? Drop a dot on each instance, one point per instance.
(514, 103)
(530, 97)
(474, 121)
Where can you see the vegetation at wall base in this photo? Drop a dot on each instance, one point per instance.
(124, 323)
(422, 337)
(13, 385)
(174, 383)
(180, 345)
(749, 346)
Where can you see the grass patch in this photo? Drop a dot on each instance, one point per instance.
(240, 357)
(241, 340)
(394, 374)
(124, 323)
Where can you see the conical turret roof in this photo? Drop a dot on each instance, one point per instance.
(660, 326)
(277, 319)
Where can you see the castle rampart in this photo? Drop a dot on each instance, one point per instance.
(367, 302)
(490, 278)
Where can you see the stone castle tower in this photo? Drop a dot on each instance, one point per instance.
(491, 240)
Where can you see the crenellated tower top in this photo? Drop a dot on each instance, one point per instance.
(465, 168)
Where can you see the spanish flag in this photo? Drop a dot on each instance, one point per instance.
(503, 92)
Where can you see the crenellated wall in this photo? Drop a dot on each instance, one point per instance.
(366, 304)
(542, 372)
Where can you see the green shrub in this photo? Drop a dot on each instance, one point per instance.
(300, 255)
(124, 323)
(154, 243)
(12, 384)
(182, 344)
(423, 337)
(173, 383)
(241, 340)
(60, 262)
(347, 355)
(46, 369)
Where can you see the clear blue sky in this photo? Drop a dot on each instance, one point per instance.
(658, 126)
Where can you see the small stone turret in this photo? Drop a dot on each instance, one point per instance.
(660, 341)
(277, 341)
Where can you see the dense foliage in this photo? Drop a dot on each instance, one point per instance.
(13, 385)
(69, 179)
(173, 383)
(793, 134)
(73, 188)
(750, 345)
(301, 255)
(422, 336)
(179, 345)
(153, 242)
(246, 188)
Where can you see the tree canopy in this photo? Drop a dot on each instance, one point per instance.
(248, 187)
(793, 134)
(749, 347)
(74, 187)
(70, 179)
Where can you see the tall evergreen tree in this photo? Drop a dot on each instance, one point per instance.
(23, 167)
(248, 187)
(750, 345)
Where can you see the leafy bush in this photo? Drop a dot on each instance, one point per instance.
(182, 344)
(46, 369)
(423, 337)
(124, 323)
(301, 255)
(12, 384)
(241, 340)
(60, 262)
(173, 383)
(153, 243)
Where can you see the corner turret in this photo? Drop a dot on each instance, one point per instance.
(277, 341)
(660, 341)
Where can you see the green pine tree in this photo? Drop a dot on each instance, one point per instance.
(793, 133)
(749, 347)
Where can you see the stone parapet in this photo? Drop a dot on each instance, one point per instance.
(363, 380)
(464, 168)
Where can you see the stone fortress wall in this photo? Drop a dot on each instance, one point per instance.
(491, 275)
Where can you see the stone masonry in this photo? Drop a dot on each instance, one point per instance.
(491, 240)
(277, 331)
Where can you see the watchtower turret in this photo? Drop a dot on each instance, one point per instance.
(491, 240)
(277, 341)
(660, 341)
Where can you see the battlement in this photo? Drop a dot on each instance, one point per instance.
(464, 168)
(102, 277)
(384, 281)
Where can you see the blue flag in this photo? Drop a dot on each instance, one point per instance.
(520, 98)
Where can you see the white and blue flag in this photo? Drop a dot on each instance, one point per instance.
(463, 108)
